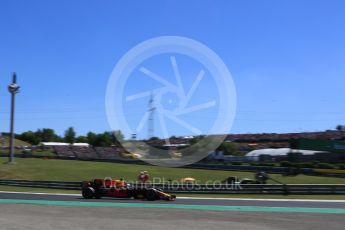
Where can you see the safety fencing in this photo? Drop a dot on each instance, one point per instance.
(234, 188)
(42, 184)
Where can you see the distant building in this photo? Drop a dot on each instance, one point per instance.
(281, 154)
(52, 144)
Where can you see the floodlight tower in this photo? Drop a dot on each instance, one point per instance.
(13, 88)
(151, 111)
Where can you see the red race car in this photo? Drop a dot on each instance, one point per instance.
(99, 188)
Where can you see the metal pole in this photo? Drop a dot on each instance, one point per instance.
(13, 89)
(11, 160)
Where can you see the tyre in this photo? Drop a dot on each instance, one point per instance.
(151, 195)
(88, 193)
(98, 193)
(134, 194)
(98, 196)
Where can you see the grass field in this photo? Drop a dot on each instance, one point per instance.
(6, 141)
(73, 170)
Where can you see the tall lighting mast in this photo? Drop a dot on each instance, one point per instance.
(151, 110)
(13, 88)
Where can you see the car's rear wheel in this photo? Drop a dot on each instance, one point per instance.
(88, 193)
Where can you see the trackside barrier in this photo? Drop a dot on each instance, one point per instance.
(43, 184)
(235, 188)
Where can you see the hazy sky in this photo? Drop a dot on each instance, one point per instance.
(287, 59)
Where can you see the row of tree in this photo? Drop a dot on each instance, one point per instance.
(340, 127)
(70, 136)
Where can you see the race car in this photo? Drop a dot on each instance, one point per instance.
(99, 188)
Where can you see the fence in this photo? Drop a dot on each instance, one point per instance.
(235, 188)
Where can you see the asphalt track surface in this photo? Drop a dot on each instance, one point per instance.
(183, 201)
(42, 211)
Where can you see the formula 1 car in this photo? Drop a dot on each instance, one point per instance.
(99, 188)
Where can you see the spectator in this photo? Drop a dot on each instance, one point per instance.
(143, 177)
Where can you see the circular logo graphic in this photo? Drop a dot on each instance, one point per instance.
(174, 88)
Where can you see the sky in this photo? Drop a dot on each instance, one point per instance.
(287, 60)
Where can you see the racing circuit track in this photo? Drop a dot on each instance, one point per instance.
(44, 211)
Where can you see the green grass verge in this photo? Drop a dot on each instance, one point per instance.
(6, 141)
(73, 170)
(44, 153)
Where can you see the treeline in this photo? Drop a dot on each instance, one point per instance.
(49, 135)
